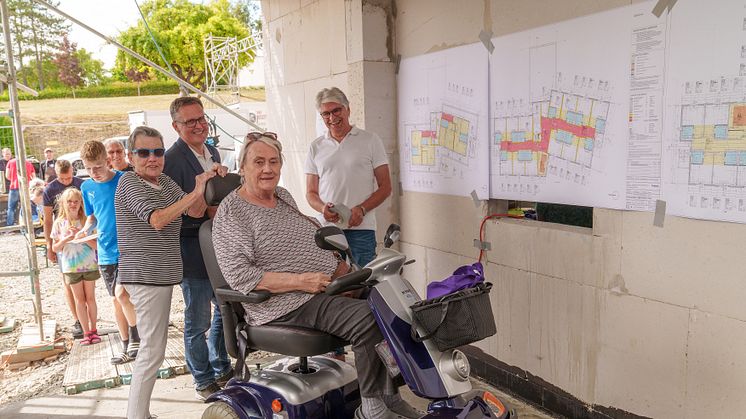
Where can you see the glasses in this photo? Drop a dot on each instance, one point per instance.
(144, 153)
(336, 112)
(255, 135)
(193, 122)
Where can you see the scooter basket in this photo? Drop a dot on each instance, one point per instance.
(455, 319)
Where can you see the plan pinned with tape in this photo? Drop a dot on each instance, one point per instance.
(560, 112)
(443, 128)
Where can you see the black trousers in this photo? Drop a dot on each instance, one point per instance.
(352, 320)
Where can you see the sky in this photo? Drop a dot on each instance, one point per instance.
(106, 16)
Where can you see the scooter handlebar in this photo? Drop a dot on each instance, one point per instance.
(230, 295)
(348, 282)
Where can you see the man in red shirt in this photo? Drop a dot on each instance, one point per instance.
(14, 197)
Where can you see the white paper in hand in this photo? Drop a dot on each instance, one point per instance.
(343, 212)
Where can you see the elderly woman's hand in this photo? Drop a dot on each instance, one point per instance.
(220, 169)
(313, 282)
(201, 179)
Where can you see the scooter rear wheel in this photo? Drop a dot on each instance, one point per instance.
(219, 410)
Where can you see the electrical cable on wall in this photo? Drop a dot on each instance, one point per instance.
(481, 228)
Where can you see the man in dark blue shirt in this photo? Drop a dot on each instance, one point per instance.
(207, 359)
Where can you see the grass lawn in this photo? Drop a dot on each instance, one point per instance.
(53, 109)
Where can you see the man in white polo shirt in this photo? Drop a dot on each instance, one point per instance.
(348, 166)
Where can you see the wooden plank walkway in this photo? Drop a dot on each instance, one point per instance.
(89, 367)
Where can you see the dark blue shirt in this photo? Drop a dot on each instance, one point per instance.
(182, 166)
(55, 188)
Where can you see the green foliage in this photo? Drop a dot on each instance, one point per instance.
(93, 71)
(115, 89)
(36, 36)
(179, 27)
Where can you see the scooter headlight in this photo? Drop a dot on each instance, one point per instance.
(461, 364)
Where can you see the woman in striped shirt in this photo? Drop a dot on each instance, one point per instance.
(148, 207)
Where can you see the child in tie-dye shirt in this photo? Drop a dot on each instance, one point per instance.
(77, 260)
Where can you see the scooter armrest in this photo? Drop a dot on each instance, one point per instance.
(347, 282)
(229, 295)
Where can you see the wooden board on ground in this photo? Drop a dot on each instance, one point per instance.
(89, 367)
(7, 324)
(29, 339)
(13, 357)
(173, 364)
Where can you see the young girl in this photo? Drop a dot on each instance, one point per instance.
(77, 260)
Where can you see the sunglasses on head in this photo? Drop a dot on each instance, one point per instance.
(255, 135)
(144, 153)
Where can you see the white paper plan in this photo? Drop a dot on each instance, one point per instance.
(443, 130)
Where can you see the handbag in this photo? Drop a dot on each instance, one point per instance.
(464, 277)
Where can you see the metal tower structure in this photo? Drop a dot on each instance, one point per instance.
(221, 64)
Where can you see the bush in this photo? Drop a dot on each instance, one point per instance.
(115, 89)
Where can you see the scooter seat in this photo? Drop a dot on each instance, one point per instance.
(292, 341)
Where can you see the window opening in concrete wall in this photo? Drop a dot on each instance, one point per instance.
(574, 215)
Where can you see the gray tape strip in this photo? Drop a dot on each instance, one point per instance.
(401, 190)
(662, 5)
(475, 198)
(397, 61)
(482, 245)
(486, 38)
(660, 213)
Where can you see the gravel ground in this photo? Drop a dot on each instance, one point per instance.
(42, 378)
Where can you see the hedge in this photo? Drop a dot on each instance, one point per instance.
(115, 89)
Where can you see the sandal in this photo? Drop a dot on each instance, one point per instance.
(133, 348)
(90, 338)
(121, 358)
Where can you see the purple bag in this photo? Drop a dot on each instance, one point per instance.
(464, 277)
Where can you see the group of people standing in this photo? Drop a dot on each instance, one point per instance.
(147, 217)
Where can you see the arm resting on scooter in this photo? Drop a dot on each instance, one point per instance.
(228, 295)
(349, 282)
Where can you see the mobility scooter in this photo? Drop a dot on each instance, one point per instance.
(311, 386)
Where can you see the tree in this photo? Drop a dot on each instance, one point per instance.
(138, 76)
(250, 13)
(68, 64)
(180, 26)
(92, 70)
(36, 34)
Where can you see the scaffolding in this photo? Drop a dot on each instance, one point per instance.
(221, 64)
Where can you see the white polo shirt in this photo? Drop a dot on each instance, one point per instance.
(205, 160)
(345, 170)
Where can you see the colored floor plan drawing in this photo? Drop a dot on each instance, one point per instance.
(446, 138)
(565, 127)
(716, 134)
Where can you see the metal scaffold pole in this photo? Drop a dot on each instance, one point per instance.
(21, 166)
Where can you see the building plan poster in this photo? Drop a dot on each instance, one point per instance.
(560, 110)
(443, 129)
(704, 129)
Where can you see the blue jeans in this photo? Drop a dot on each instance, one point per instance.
(206, 357)
(14, 198)
(362, 244)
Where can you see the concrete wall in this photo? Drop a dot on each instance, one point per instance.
(645, 319)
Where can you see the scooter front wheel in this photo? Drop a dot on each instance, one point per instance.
(219, 410)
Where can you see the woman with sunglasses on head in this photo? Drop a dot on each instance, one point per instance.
(148, 207)
(263, 242)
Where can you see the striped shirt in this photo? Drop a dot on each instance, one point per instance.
(147, 256)
(250, 240)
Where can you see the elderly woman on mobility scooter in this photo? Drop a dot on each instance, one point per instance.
(266, 243)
